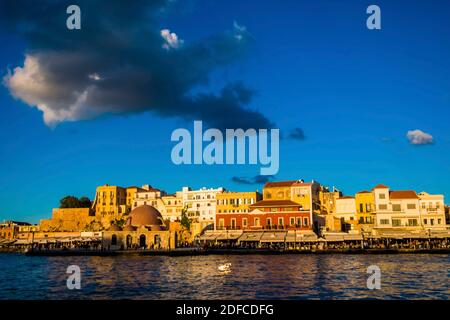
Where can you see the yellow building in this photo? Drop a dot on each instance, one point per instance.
(236, 202)
(278, 190)
(131, 194)
(171, 207)
(110, 201)
(365, 210)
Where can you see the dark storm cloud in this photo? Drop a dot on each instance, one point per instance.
(123, 60)
(253, 180)
(297, 134)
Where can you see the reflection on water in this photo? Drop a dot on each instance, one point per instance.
(249, 277)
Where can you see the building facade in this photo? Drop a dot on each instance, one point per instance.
(346, 212)
(268, 215)
(365, 210)
(201, 204)
(396, 209)
(432, 210)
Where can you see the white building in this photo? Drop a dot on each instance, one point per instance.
(201, 204)
(148, 197)
(346, 210)
(432, 210)
(396, 209)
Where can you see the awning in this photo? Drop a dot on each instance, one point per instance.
(334, 237)
(250, 236)
(353, 237)
(301, 237)
(273, 237)
(22, 242)
(208, 237)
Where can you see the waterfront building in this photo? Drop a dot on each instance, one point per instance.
(144, 229)
(396, 209)
(432, 210)
(346, 212)
(70, 219)
(10, 229)
(327, 202)
(131, 192)
(110, 201)
(236, 202)
(280, 190)
(149, 196)
(365, 210)
(268, 214)
(201, 204)
(232, 204)
(171, 206)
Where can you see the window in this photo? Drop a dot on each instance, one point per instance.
(299, 222)
(244, 222)
(280, 221)
(396, 207)
(361, 207)
(292, 221)
(268, 195)
(425, 221)
(432, 222)
(114, 240)
(233, 223)
(396, 222)
(305, 222)
(221, 223)
(382, 206)
(412, 222)
(411, 206)
(269, 222)
(384, 221)
(368, 207)
(256, 222)
(439, 221)
(382, 196)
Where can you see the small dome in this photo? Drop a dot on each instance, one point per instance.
(129, 227)
(114, 227)
(146, 216)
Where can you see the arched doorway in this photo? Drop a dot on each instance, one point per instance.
(129, 241)
(142, 241)
(114, 240)
(157, 241)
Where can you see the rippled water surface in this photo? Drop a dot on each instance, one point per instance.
(249, 277)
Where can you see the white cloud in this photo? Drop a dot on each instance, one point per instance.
(32, 85)
(171, 40)
(418, 137)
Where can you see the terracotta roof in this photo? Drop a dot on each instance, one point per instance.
(275, 203)
(403, 194)
(280, 184)
(380, 186)
(306, 184)
(364, 191)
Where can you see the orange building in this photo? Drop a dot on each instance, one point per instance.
(269, 215)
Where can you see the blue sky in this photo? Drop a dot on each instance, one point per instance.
(312, 64)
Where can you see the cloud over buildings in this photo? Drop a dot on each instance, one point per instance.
(123, 61)
(259, 179)
(418, 137)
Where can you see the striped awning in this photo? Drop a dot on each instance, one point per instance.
(250, 236)
(273, 237)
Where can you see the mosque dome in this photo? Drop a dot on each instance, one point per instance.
(147, 216)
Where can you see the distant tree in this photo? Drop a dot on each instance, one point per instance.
(69, 202)
(85, 202)
(185, 221)
(74, 202)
